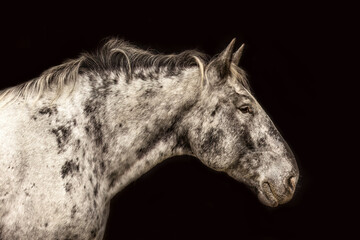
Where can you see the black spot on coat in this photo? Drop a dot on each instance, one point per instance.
(47, 110)
(149, 93)
(102, 167)
(73, 211)
(62, 134)
(248, 141)
(112, 178)
(68, 168)
(94, 129)
(212, 139)
(261, 143)
(90, 107)
(68, 187)
(96, 189)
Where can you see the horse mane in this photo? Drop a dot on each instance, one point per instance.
(115, 55)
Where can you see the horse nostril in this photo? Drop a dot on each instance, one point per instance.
(292, 182)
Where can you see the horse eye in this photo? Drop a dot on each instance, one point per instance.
(245, 109)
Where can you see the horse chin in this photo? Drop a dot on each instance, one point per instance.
(267, 197)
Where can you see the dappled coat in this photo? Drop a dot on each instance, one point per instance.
(78, 134)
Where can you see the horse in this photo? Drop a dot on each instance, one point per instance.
(78, 134)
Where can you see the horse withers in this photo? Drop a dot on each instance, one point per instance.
(78, 134)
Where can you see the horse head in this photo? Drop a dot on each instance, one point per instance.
(229, 131)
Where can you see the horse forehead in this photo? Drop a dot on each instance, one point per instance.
(235, 86)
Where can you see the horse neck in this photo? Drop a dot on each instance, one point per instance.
(144, 123)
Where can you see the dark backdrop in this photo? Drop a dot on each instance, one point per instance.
(292, 56)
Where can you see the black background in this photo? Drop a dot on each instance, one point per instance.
(296, 57)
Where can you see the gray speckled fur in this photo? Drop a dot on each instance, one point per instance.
(62, 161)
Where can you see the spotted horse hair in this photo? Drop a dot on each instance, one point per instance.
(78, 134)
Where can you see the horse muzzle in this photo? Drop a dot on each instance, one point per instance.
(272, 193)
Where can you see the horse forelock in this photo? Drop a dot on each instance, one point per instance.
(114, 55)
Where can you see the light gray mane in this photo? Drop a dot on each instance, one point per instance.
(116, 56)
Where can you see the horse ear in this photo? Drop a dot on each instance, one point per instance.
(220, 66)
(224, 59)
(237, 55)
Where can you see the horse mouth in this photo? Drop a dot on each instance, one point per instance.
(267, 196)
(272, 198)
